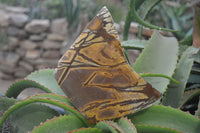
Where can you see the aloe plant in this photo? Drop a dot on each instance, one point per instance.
(72, 12)
(52, 111)
(157, 118)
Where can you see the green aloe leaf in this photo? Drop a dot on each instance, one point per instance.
(134, 44)
(123, 125)
(126, 125)
(138, 19)
(194, 78)
(87, 130)
(189, 95)
(174, 91)
(154, 129)
(5, 104)
(182, 48)
(144, 11)
(146, 7)
(60, 124)
(187, 40)
(27, 102)
(106, 127)
(28, 116)
(158, 115)
(34, 112)
(197, 57)
(16, 88)
(126, 55)
(196, 68)
(129, 18)
(133, 15)
(197, 113)
(193, 86)
(60, 98)
(159, 57)
(46, 78)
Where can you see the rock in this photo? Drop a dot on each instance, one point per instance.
(47, 44)
(65, 43)
(32, 54)
(37, 26)
(13, 42)
(65, 47)
(28, 45)
(18, 10)
(56, 37)
(1, 74)
(20, 72)
(42, 61)
(4, 19)
(5, 48)
(21, 52)
(39, 37)
(18, 20)
(26, 66)
(7, 69)
(51, 54)
(13, 31)
(46, 65)
(42, 66)
(8, 58)
(59, 26)
(5, 76)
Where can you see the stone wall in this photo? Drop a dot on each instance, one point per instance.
(31, 44)
(37, 44)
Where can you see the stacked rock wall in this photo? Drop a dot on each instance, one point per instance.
(36, 44)
(32, 44)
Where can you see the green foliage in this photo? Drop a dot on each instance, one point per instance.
(154, 129)
(60, 124)
(60, 98)
(5, 104)
(133, 15)
(24, 115)
(87, 130)
(154, 119)
(189, 96)
(177, 18)
(144, 11)
(46, 78)
(42, 79)
(141, 21)
(163, 116)
(123, 125)
(175, 92)
(163, 58)
(134, 44)
(72, 11)
(197, 113)
(16, 88)
(165, 63)
(126, 125)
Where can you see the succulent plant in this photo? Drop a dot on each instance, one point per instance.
(161, 63)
